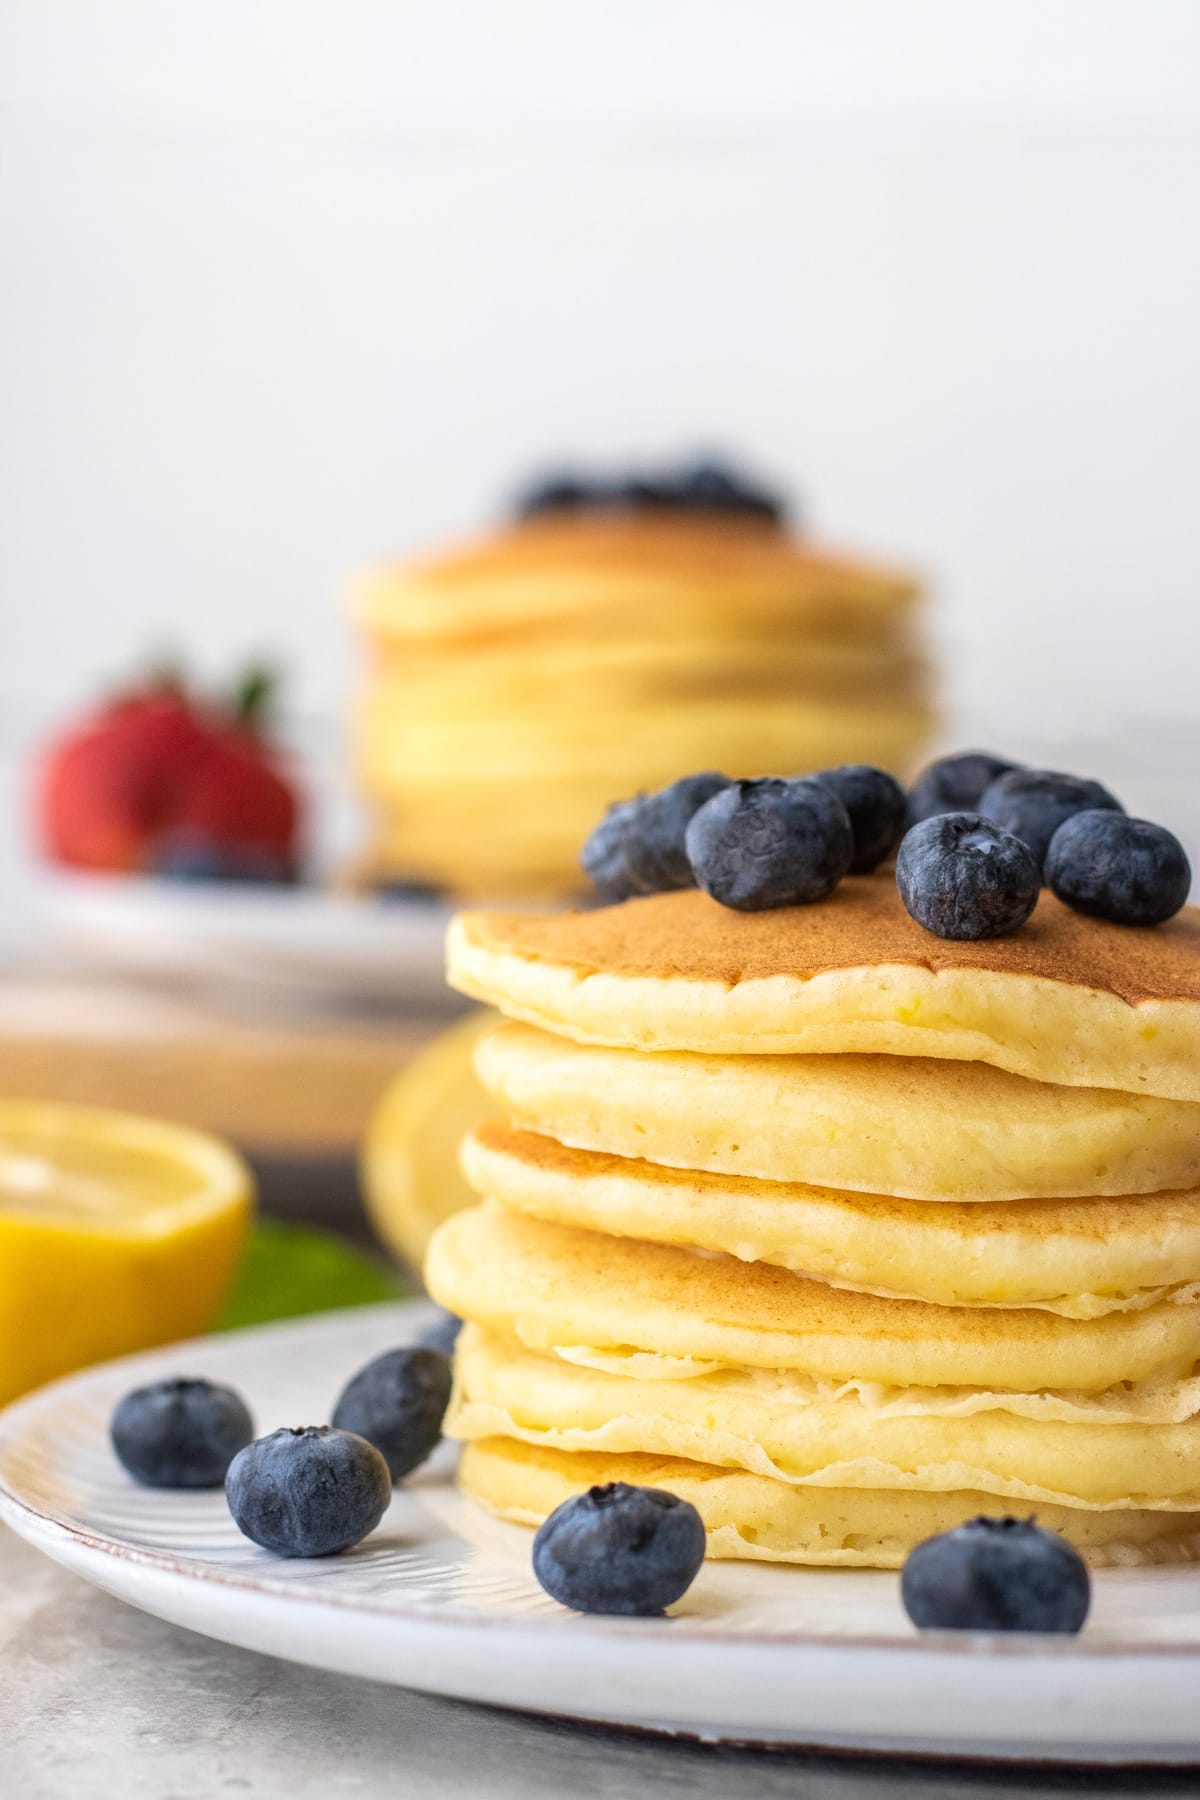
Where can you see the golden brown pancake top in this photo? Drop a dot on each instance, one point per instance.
(688, 936)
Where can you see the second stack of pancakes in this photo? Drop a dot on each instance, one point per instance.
(843, 1232)
(515, 684)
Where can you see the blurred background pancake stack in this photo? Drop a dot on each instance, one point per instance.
(611, 638)
(844, 1232)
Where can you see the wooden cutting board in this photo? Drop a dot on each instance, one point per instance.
(276, 1082)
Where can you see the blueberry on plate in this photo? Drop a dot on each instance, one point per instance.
(619, 1549)
(310, 1491)
(1033, 803)
(878, 809)
(1117, 868)
(767, 843)
(638, 846)
(996, 1575)
(442, 1333)
(961, 877)
(955, 783)
(180, 1433)
(398, 1402)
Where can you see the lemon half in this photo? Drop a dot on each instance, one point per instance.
(116, 1233)
(410, 1174)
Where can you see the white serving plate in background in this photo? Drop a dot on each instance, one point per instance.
(302, 942)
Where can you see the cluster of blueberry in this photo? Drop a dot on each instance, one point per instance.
(974, 840)
(700, 487)
(307, 1491)
(315, 1490)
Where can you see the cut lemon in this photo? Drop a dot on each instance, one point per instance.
(410, 1173)
(116, 1233)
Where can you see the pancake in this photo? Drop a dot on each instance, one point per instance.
(536, 668)
(1067, 999)
(751, 1420)
(555, 1287)
(915, 1128)
(1078, 1258)
(749, 1517)
(527, 680)
(631, 746)
(612, 571)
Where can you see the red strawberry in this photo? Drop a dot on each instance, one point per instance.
(154, 773)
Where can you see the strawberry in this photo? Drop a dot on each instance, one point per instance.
(157, 781)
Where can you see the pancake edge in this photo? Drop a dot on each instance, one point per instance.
(1149, 1047)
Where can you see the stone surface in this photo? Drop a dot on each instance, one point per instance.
(99, 1701)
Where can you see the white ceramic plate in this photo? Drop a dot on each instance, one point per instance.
(442, 1598)
(300, 941)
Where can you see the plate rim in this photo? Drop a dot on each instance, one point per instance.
(42, 1525)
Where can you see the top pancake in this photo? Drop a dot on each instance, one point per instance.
(590, 569)
(1067, 999)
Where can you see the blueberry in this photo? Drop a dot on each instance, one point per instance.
(712, 487)
(766, 843)
(619, 1549)
(1033, 803)
(961, 877)
(308, 1492)
(955, 783)
(643, 490)
(996, 1575)
(554, 493)
(442, 1334)
(191, 857)
(398, 1403)
(878, 808)
(194, 856)
(638, 846)
(1118, 868)
(182, 1433)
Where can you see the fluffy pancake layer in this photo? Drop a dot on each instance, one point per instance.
(626, 748)
(768, 1424)
(1067, 999)
(1078, 1258)
(749, 1517)
(647, 664)
(556, 1288)
(914, 1128)
(611, 573)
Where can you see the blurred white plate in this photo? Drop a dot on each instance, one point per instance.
(298, 940)
(442, 1598)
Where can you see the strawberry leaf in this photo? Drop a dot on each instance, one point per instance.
(254, 696)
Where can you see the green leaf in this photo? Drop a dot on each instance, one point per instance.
(291, 1270)
(254, 696)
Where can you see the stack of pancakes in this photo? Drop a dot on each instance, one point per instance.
(515, 687)
(841, 1231)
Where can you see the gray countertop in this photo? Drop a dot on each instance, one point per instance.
(99, 1702)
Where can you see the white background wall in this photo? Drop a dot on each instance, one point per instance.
(287, 284)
